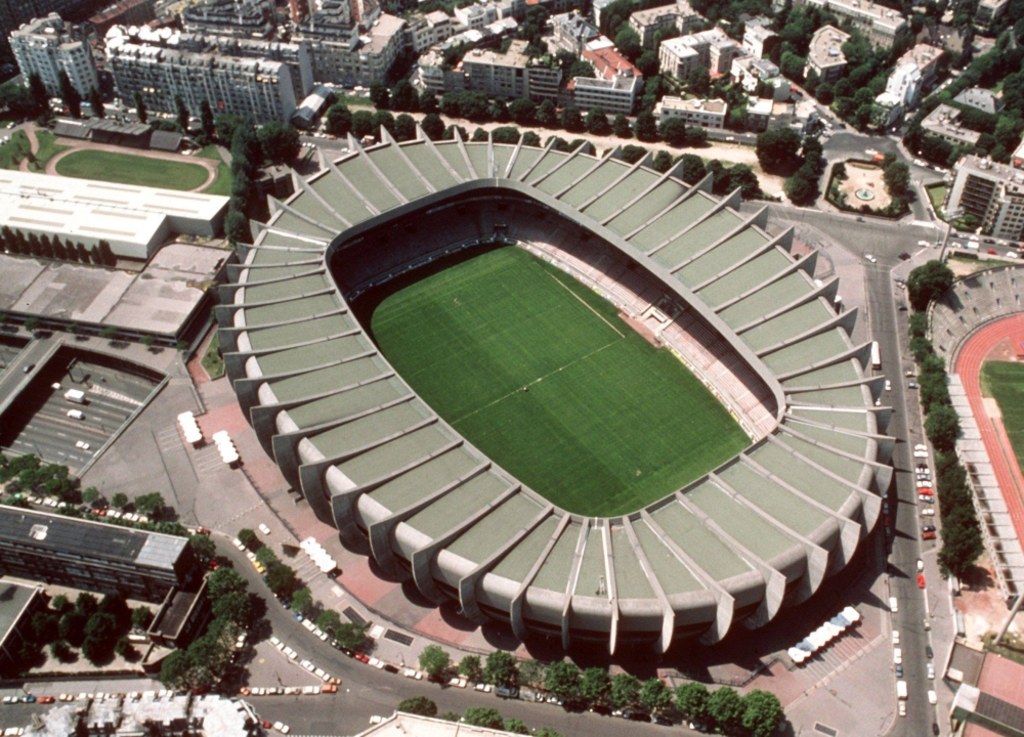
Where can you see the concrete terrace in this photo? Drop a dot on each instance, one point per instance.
(373, 459)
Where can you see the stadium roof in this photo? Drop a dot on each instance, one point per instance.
(67, 536)
(374, 459)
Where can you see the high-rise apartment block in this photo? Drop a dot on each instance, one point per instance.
(341, 55)
(264, 80)
(48, 46)
(994, 193)
(242, 18)
(710, 49)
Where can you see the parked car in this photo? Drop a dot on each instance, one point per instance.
(927, 535)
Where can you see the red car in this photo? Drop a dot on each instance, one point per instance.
(924, 490)
(46, 700)
(362, 657)
(920, 580)
(928, 535)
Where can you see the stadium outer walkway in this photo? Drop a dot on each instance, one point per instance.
(852, 662)
(993, 433)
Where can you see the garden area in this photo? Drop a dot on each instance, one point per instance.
(873, 188)
(18, 149)
(221, 184)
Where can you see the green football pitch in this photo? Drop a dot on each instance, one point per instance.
(540, 374)
(1004, 381)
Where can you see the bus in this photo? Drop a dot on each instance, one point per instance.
(876, 356)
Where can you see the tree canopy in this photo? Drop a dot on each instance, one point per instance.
(927, 282)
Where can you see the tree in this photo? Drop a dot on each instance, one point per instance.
(280, 142)
(672, 131)
(597, 122)
(692, 168)
(71, 627)
(595, 686)
(71, 96)
(302, 601)
(182, 114)
(762, 713)
(281, 579)
(777, 150)
(927, 282)
(140, 107)
(119, 500)
(379, 96)
(206, 121)
(90, 495)
(236, 227)
(203, 547)
(627, 41)
(151, 505)
(141, 617)
(404, 97)
(531, 673)
(501, 670)
(433, 126)
(942, 427)
(802, 187)
(96, 102)
(562, 679)
(961, 541)
(265, 556)
(470, 667)
(362, 124)
(516, 726)
(625, 690)
(646, 127)
(338, 120)
(101, 634)
(175, 670)
(405, 127)
(428, 102)
(725, 708)
(37, 92)
(434, 661)
(483, 716)
(698, 81)
(572, 120)
(546, 114)
(581, 68)
(655, 696)
(420, 705)
(620, 127)
(351, 635)
(896, 175)
(249, 539)
(523, 111)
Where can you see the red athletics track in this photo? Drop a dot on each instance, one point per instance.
(997, 444)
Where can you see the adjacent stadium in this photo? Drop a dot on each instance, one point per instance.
(447, 347)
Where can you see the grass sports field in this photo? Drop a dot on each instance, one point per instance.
(607, 423)
(142, 171)
(1004, 381)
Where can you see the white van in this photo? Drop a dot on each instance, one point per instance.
(76, 414)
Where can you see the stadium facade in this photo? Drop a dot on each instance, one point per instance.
(736, 546)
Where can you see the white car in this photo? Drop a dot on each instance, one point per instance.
(276, 641)
(264, 529)
(931, 672)
(894, 604)
(897, 656)
(282, 727)
(872, 259)
(920, 565)
(933, 698)
(928, 512)
(888, 385)
(895, 637)
(920, 451)
(901, 707)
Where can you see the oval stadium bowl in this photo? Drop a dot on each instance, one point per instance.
(761, 531)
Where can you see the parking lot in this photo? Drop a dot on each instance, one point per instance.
(46, 423)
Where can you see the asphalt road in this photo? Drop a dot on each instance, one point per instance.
(367, 691)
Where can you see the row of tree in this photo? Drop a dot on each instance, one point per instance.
(26, 474)
(477, 716)
(97, 629)
(210, 657)
(758, 713)
(961, 534)
(17, 243)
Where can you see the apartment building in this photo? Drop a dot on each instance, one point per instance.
(759, 38)
(512, 74)
(14, 13)
(297, 57)
(944, 122)
(992, 192)
(341, 55)
(48, 46)
(122, 13)
(705, 113)
(756, 75)
(711, 49)
(431, 28)
(572, 32)
(679, 16)
(613, 96)
(988, 12)
(94, 556)
(242, 18)
(256, 87)
(878, 24)
(825, 54)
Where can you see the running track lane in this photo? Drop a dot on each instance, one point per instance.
(1000, 453)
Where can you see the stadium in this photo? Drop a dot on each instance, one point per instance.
(758, 530)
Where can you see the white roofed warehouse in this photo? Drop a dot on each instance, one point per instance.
(134, 220)
(762, 531)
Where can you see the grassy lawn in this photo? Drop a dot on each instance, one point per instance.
(48, 148)
(222, 182)
(16, 149)
(129, 169)
(212, 361)
(937, 195)
(1004, 381)
(541, 375)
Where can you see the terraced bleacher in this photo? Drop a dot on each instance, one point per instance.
(761, 532)
(971, 302)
